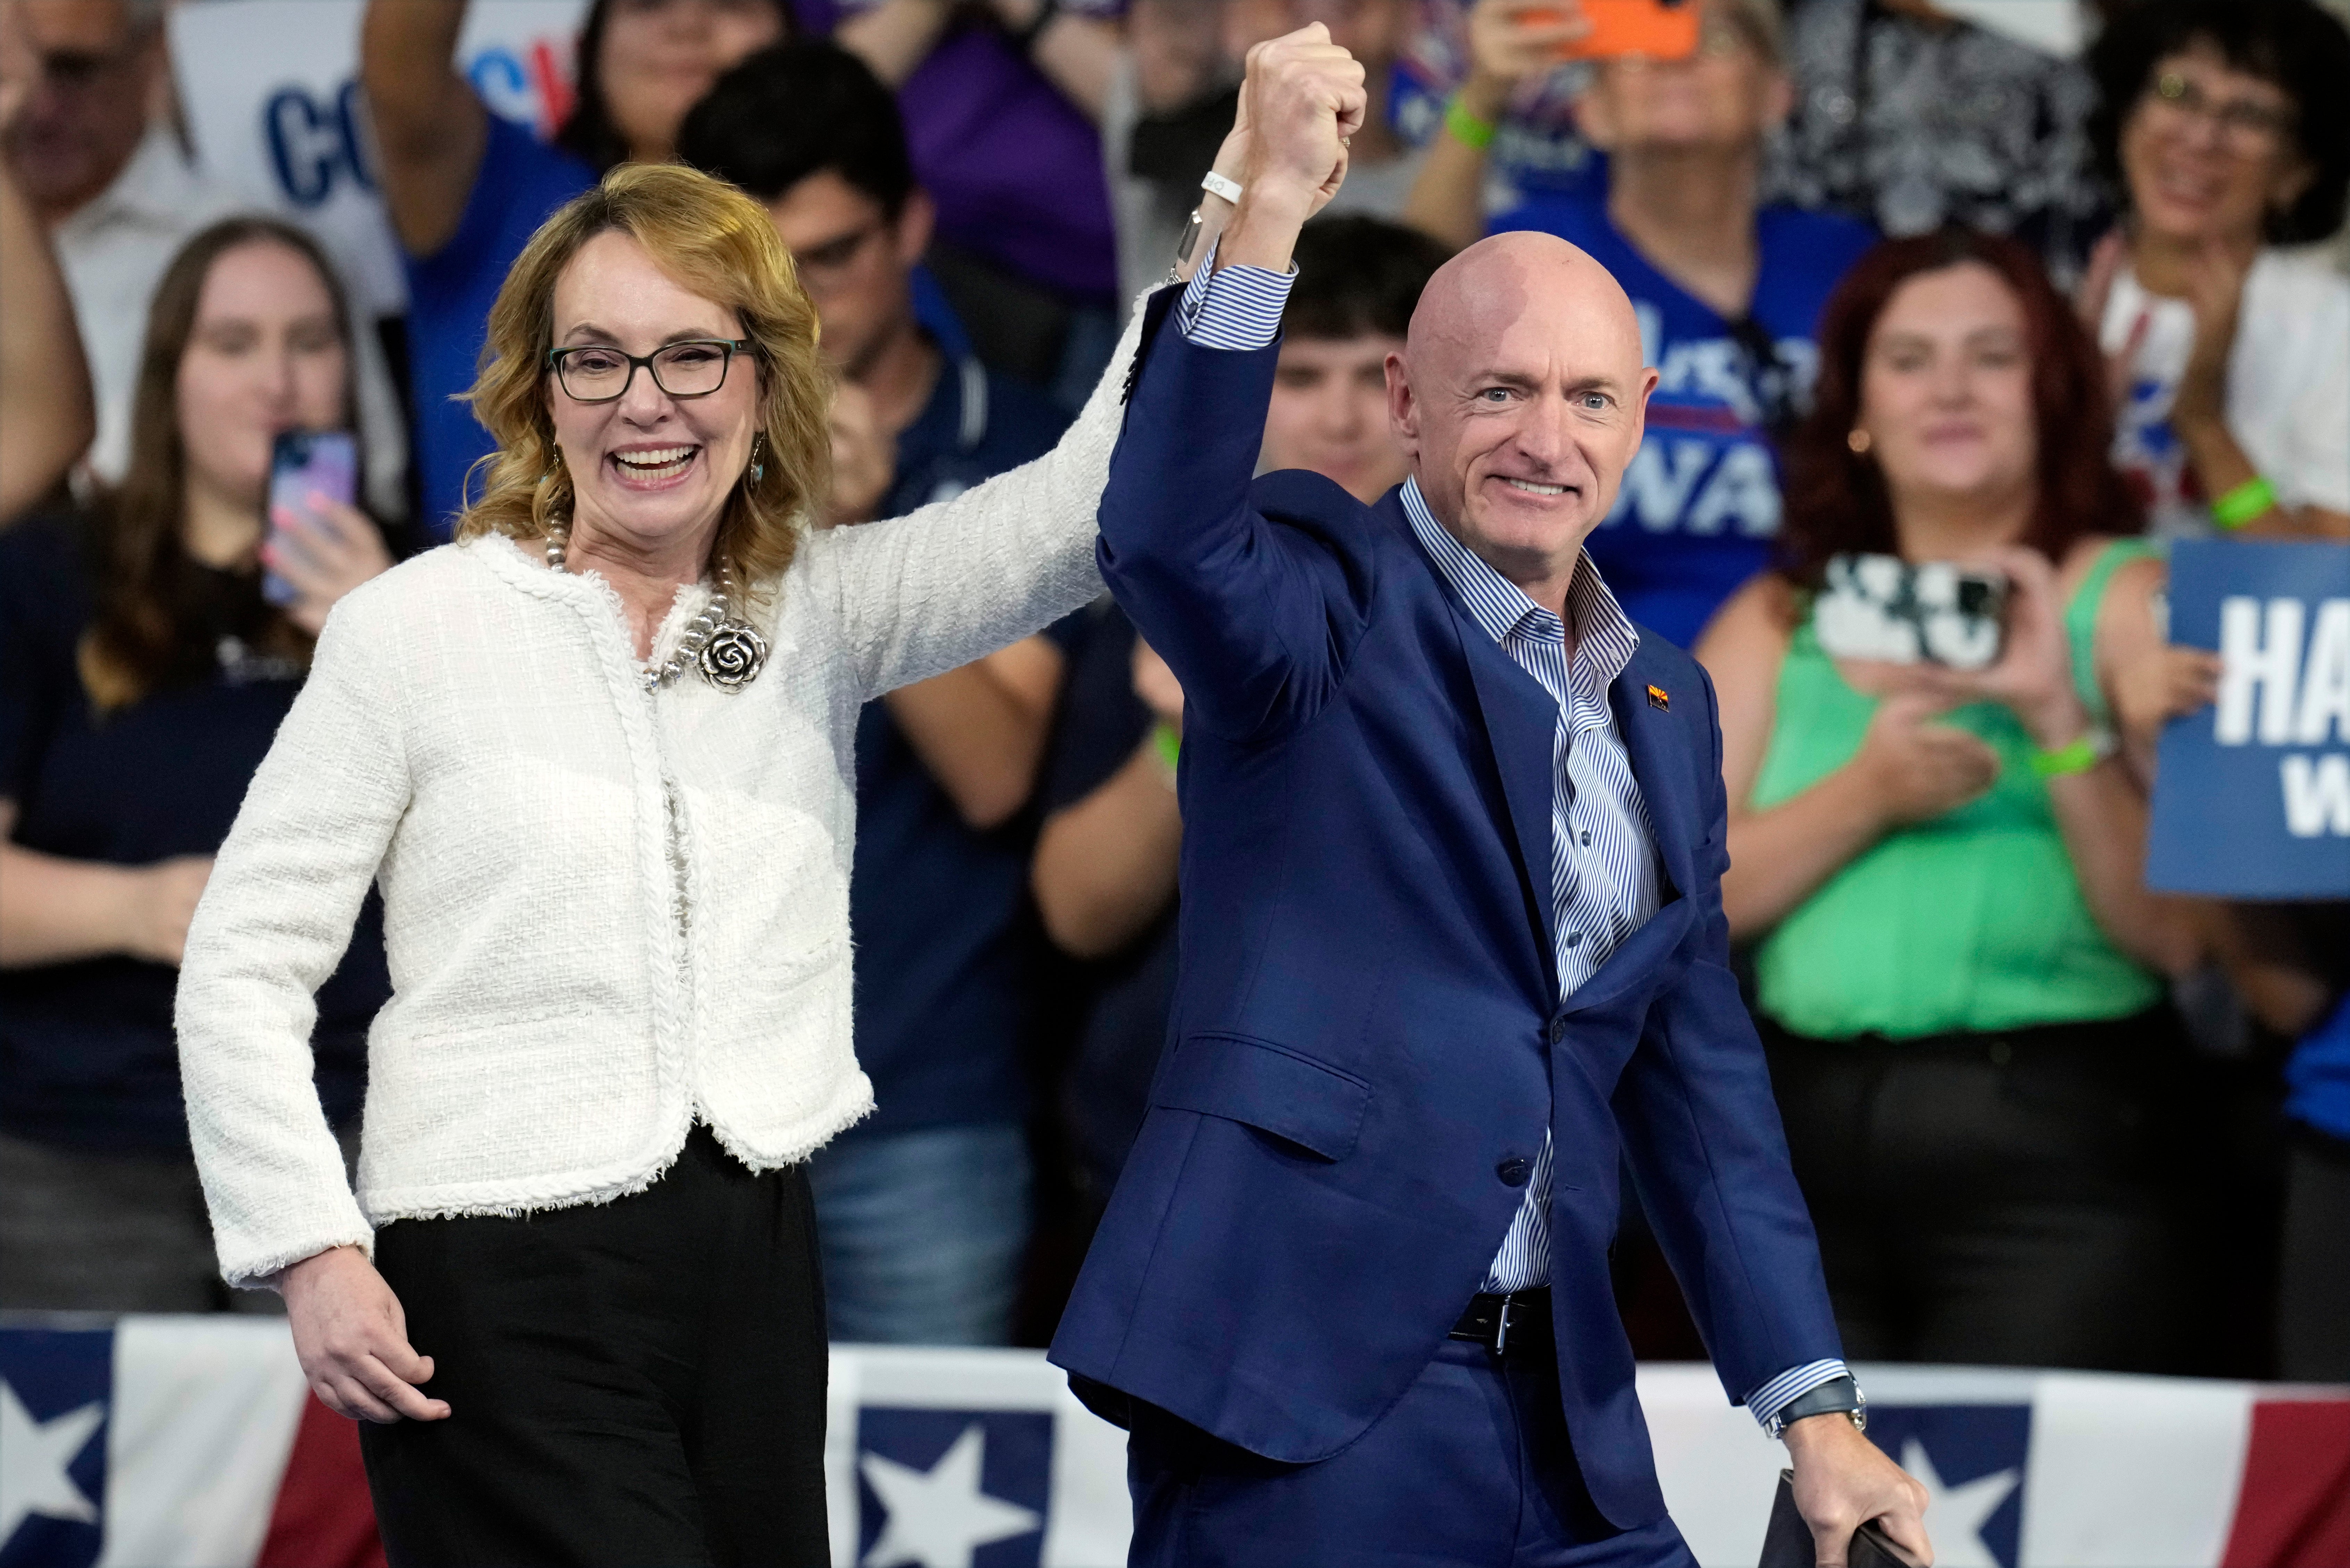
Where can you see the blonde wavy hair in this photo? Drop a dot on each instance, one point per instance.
(712, 239)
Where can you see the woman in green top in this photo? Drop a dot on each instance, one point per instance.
(1961, 974)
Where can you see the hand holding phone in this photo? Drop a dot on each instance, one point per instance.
(319, 545)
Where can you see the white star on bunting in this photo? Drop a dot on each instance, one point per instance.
(1955, 1515)
(939, 1516)
(33, 1460)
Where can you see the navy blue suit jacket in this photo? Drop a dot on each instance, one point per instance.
(1368, 1027)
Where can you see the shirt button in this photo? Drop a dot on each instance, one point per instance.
(1513, 1171)
(1587, 838)
(1574, 938)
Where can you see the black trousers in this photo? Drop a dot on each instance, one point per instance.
(632, 1383)
(2313, 1294)
(1999, 1199)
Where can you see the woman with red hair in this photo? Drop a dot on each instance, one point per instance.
(1961, 973)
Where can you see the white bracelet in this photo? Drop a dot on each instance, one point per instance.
(1215, 184)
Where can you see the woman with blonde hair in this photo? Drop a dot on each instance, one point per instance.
(596, 756)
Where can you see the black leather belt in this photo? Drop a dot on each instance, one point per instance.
(1496, 1322)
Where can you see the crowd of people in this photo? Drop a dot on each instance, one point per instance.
(1910, 286)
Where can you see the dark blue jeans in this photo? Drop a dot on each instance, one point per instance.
(923, 1233)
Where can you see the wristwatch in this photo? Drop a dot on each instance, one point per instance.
(1840, 1394)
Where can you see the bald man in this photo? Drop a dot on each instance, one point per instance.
(1452, 945)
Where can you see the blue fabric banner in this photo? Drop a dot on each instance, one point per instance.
(2253, 796)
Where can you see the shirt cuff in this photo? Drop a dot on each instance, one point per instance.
(1790, 1385)
(1238, 309)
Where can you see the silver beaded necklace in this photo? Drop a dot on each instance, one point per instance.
(728, 653)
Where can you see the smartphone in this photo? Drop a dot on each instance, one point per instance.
(303, 463)
(1659, 29)
(1936, 612)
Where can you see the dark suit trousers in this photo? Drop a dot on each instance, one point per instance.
(629, 1383)
(1470, 1468)
(1999, 1199)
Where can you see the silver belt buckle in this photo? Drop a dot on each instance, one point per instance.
(1501, 1329)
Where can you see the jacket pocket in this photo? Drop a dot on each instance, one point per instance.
(1269, 1087)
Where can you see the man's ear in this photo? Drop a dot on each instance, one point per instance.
(1403, 409)
(915, 223)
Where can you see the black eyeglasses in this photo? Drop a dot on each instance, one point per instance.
(593, 373)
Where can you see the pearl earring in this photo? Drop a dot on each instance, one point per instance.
(1858, 441)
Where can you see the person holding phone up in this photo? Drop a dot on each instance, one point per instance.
(1961, 972)
(142, 673)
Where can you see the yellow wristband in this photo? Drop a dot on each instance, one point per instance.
(1468, 130)
(2242, 504)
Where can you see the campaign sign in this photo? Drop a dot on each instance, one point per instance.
(2252, 798)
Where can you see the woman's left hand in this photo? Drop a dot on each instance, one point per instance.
(323, 550)
(2034, 675)
(2216, 290)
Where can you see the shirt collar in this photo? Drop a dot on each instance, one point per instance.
(1604, 637)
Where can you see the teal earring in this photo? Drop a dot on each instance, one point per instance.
(758, 462)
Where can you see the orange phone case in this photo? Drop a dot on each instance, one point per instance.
(1661, 29)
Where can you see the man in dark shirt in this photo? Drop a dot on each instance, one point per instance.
(924, 1208)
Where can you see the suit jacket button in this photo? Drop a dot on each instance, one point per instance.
(1558, 1029)
(1513, 1171)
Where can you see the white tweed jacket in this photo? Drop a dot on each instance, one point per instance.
(607, 913)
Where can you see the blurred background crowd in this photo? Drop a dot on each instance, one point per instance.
(2043, 1115)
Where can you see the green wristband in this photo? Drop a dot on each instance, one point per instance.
(2242, 504)
(2082, 754)
(1470, 131)
(1169, 741)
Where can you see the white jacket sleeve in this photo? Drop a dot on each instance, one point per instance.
(271, 927)
(925, 593)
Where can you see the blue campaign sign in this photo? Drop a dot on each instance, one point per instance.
(2252, 797)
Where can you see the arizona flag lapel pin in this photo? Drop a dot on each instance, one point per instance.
(1657, 699)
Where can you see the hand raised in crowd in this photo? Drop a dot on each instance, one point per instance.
(2090, 298)
(1301, 101)
(162, 902)
(2215, 282)
(323, 550)
(1916, 768)
(351, 1337)
(864, 457)
(1513, 41)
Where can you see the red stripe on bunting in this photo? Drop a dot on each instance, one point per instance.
(2294, 1509)
(323, 1517)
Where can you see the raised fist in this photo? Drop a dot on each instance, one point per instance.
(1301, 101)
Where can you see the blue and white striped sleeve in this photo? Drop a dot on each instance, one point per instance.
(1791, 1386)
(1239, 308)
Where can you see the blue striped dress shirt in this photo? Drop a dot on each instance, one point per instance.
(1604, 874)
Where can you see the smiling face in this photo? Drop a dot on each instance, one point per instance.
(2209, 149)
(1329, 413)
(265, 355)
(1946, 391)
(1521, 399)
(648, 469)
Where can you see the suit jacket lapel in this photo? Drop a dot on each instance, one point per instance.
(1657, 744)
